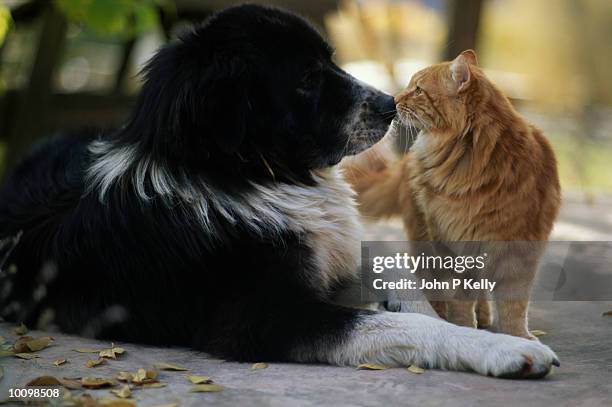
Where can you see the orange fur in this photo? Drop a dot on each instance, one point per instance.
(478, 171)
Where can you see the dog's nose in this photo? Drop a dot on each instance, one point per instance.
(386, 106)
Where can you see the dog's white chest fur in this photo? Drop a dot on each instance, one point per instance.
(327, 216)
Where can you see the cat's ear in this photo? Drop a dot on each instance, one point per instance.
(460, 70)
(470, 56)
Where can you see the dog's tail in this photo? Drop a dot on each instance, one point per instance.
(377, 177)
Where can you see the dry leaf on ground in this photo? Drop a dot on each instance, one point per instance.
(371, 366)
(58, 362)
(537, 332)
(44, 381)
(26, 356)
(123, 392)
(607, 314)
(39, 343)
(144, 376)
(260, 365)
(96, 382)
(21, 329)
(125, 376)
(169, 366)
(206, 388)
(415, 369)
(199, 379)
(94, 363)
(112, 352)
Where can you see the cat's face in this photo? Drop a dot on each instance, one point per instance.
(436, 97)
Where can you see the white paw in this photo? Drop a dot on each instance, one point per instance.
(517, 358)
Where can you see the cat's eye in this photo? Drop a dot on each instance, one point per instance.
(418, 91)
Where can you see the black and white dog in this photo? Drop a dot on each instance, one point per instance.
(216, 219)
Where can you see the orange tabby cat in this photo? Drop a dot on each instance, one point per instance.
(476, 172)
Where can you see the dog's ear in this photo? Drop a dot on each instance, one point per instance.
(193, 104)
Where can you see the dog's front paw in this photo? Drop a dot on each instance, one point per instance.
(518, 358)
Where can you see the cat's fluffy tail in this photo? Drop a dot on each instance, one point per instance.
(376, 175)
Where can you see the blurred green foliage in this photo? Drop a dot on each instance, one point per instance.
(120, 18)
(5, 22)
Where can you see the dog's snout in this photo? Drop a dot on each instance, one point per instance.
(385, 104)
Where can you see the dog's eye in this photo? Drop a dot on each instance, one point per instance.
(418, 91)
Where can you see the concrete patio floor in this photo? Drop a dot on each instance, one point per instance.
(577, 331)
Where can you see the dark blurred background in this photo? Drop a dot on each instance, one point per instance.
(70, 64)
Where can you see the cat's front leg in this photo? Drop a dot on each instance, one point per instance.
(401, 339)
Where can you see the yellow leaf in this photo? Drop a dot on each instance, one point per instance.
(199, 379)
(20, 345)
(26, 356)
(21, 330)
(112, 352)
(169, 366)
(607, 314)
(123, 393)
(38, 344)
(96, 382)
(125, 376)
(44, 381)
(537, 332)
(86, 350)
(260, 365)
(94, 363)
(371, 366)
(144, 376)
(206, 388)
(415, 369)
(58, 362)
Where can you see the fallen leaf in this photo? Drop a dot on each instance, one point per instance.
(123, 393)
(86, 350)
(260, 365)
(21, 330)
(206, 388)
(169, 366)
(58, 362)
(607, 314)
(199, 379)
(20, 345)
(371, 366)
(39, 343)
(537, 332)
(125, 376)
(44, 381)
(415, 369)
(26, 356)
(96, 382)
(112, 352)
(144, 376)
(94, 363)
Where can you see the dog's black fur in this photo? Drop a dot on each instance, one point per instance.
(111, 243)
